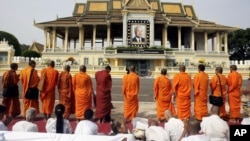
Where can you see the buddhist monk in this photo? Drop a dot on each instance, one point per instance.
(182, 86)
(200, 83)
(103, 95)
(10, 79)
(83, 90)
(25, 77)
(163, 95)
(234, 80)
(216, 88)
(65, 91)
(48, 95)
(131, 86)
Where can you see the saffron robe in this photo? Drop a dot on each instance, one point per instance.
(12, 104)
(130, 86)
(182, 86)
(24, 78)
(234, 80)
(48, 95)
(201, 82)
(163, 95)
(103, 94)
(82, 87)
(65, 92)
(215, 88)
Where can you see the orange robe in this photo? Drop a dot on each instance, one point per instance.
(82, 87)
(130, 86)
(163, 95)
(234, 80)
(215, 88)
(201, 81)
(65, 92)
(182, 86)
(12, 104)
(24, 78)
(48, 95)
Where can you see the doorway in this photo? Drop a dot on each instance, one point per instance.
(141, 66)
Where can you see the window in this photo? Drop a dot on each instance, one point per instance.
(86, 61)
(100, 61)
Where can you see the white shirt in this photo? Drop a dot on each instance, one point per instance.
(2, 126)
(25, 126)
(86, 127)
(129, 137)
(201, 137)
(51, 126)
(174, 128)
(156, 133)
(246, 121)
(215, 128)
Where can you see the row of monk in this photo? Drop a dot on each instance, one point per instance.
(76, 92)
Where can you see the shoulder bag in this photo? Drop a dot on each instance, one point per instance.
(32, 92)
(216, 100)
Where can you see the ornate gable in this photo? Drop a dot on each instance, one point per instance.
(137, 4)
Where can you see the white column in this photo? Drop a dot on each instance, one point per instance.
(165, 35)
(80, 36)
(94, 37)
(125, 27)
(218, 42)
(179, 38)
(66, 40)
(50, 40)
(192, 39)
(205, 42)
(151, 27)
(108, 35)
(213, 44)
(225, 43)
(54, 39)
(45, 40)
(116, 62)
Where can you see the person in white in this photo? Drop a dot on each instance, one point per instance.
(58, 124)
(246, 120)
(192, 130)
(155, 132)
(214, 127)
(174, 127)
(87, 126)
(27, 125)
(3, 122)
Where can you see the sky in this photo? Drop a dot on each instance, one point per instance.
(17, 16)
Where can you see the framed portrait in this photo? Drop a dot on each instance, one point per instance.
(138, 33)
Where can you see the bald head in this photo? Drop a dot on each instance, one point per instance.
(215, 110)
(132, 68)
(219, 70)
(193, 126)
(168, 114)
(83, 68)
(163, 71)
(30, 114)
(67, 68)
(233, 67)
(51, 63)
(182, 68)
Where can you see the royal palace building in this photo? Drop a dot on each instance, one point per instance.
(149, 34)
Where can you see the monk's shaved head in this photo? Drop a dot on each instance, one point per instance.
(51, 63)
(233, 67)
(163, 71)
(83, 68)
(219, 69)
(182, 68)
(193, 126)
(132, 69)
(215, 110)
(67, 68)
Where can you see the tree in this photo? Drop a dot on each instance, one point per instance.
(24, 48)
(12, 40)
(239, 44)
(31, 53)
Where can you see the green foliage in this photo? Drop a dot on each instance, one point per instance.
(24, 48)
(31, 53)
(12, 40)
(239, 44)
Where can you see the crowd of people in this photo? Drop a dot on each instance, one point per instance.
(76, 96)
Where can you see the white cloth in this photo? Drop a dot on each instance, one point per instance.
(129, 137)
(2, 126)
(215, 128)
(174, 128)
(245, 121)
(86, 127)
(25, 126)
(201, 137)
(156, 133)
(142, 123)
(51, 126)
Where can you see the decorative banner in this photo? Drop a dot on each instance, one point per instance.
(138, 33)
